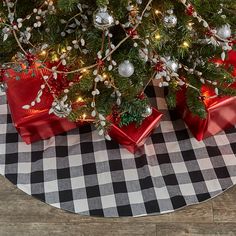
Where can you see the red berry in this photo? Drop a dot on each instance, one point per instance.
(159, 67)
(190, 10)
(132, 32)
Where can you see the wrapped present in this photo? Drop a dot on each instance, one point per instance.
(231, 61)
(221, 111)
(221, 114)
(35, 123)
(133, 137)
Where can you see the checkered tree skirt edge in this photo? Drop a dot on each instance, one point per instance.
(81, 172)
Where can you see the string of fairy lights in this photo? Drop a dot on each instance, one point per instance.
(165, 69)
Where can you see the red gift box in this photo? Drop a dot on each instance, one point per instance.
(229, 62)
(36, 123)
(133, 137)
(221, 115)
(221, 111)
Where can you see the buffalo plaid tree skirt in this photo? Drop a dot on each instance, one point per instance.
(81, 172)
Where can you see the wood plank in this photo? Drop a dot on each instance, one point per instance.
(6, 186)
(224, 211)
(92, 229)
(16, 206)
(227, 196)
(23, 215)
(174, 229)
(117, 229)
(200, 213)
(24, 208)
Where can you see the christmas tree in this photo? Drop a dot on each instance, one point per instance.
(109, 51)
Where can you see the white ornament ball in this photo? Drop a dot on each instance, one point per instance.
(103, 19)
(224, 31)
(170, 21)
(126, 69)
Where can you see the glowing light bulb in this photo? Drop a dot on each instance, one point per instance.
(104, 76)
(185, 44)
(63, 50)
(190, 25)
(43, 53)
(79, 99)
(157, 12)
(157, 36)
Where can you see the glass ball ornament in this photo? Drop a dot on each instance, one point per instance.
(172, 65)
(103, 19)
(170, 20)
(126, 69)
(60, 109)
(147, 112)
(224, 31)
(3, 87)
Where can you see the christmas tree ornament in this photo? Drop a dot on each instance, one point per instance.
(147, 112)
(3, 87)
(60, 109)
(90, 62)
(126, 69)
(103, 19)
(170, 20)
(224, 31)
(172, 65)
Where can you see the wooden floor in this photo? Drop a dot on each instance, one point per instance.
(22, 215)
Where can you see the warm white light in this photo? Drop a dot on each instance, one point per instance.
(157, 36)
(104, 76)
(79, 99)
(43, 53)
(185, 44)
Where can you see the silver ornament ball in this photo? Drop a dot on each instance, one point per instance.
(147, 112)
(126, 69)
(60, 110)
(224, 31)
(103, 19)
(172, 65)
(170, 21)
(3, 87)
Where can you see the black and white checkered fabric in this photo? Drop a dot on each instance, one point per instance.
(80, 172)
